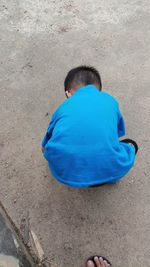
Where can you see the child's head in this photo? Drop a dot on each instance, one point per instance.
(81, 76)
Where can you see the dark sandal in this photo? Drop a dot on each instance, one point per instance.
(92, 259)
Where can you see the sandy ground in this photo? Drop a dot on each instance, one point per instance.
(40, 40)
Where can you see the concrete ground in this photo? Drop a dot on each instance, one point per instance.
(12, 251)
(40, 40)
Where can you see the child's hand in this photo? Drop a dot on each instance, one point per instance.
(42, 148)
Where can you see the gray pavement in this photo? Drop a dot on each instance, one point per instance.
(12, 251)
(40, 41)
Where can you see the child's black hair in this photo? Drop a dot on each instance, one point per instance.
(82, 75)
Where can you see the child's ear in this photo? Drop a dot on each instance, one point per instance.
(68, 94)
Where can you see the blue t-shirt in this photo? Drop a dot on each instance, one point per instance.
(82, 144)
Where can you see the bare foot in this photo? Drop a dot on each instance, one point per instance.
(99, 263)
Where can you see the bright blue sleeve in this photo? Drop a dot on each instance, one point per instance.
(49, 131)
(121, 124)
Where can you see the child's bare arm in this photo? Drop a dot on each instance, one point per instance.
(42, 148)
